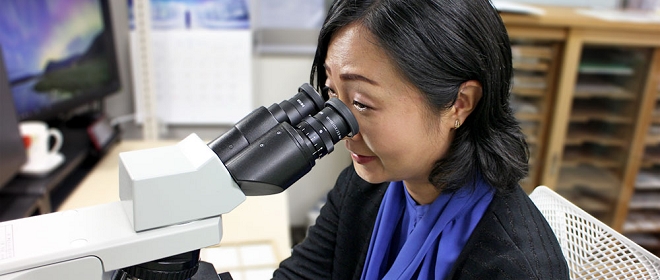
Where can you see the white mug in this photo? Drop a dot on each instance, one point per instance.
(36, 136)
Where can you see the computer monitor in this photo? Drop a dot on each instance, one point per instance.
(12, 150)
(59, 55)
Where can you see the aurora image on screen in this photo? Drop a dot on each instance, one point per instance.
(57, 52)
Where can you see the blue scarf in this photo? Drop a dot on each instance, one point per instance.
(431, 248)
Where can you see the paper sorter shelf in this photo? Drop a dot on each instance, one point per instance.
(600, 179)
(527, 65)
(590, 90)
(647, 180)
(592, 114)
(605, 68)
(645, 200)
(539, 52)
(642, 222)
(581, 134)
(535, 92)
(530, 81)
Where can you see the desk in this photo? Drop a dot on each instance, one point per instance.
(25, 196)
(260, 219)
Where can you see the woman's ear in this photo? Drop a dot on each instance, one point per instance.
(468, 96)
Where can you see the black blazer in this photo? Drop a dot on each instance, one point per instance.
(512, 240)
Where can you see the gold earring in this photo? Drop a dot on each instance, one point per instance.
(457, 124)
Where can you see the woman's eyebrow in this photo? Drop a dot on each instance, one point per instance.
(352, 77)
(357, 77)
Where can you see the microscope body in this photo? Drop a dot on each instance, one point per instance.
(172, 198)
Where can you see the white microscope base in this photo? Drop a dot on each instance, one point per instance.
(83, 268)
(102, 232)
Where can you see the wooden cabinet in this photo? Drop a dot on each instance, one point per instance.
(642, 224)
(607, 99)
(602, 126)
(535, 55)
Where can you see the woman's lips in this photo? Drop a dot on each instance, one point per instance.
(362, 159)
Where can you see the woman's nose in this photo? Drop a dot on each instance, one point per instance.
(356, 137)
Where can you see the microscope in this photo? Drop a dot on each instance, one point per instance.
(172, 198)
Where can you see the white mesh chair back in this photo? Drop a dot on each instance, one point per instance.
(592, 249)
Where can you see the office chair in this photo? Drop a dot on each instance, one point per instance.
(592, 249)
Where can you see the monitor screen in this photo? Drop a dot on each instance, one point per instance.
(12, 150)
(59, 54)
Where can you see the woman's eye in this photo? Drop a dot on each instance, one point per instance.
(331, 93)
(359, 106)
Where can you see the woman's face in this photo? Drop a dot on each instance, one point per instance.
(400, 136)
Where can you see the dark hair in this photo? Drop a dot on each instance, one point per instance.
(438, 45)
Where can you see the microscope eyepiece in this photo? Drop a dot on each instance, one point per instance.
(328, 126)
(286, 153)
(306, 102)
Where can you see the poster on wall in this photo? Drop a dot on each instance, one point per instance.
(201, 61)
(291, 14)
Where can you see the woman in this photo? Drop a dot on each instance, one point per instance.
(433, 189)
